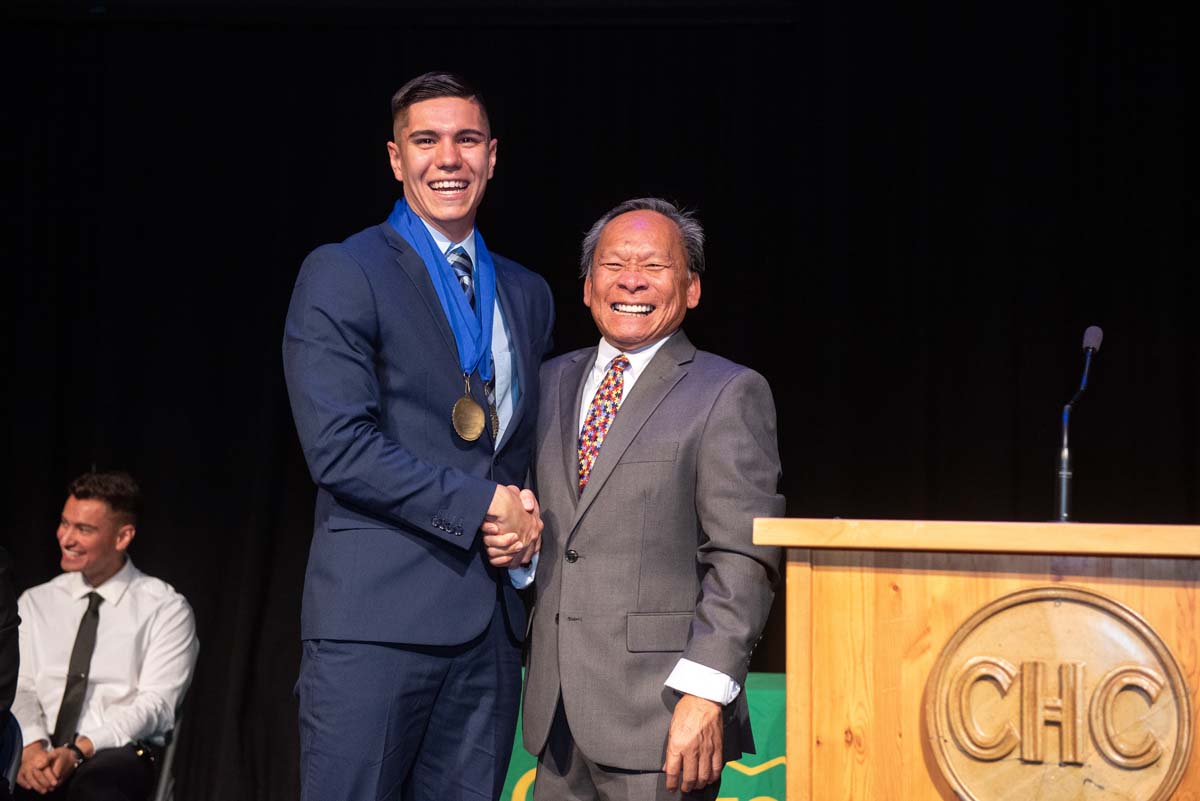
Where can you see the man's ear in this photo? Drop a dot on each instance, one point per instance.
(125, 535)
(693, 290)
(394, 159)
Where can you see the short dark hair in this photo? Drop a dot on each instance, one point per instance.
(431, 86)
(116, 488)
(685, 220)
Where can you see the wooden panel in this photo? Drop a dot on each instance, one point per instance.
(988, 537)
(799, 676)
(878, 623)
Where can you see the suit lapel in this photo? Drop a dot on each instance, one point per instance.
(663, 372)
(518, 339)
(570, 396)
(413, 266)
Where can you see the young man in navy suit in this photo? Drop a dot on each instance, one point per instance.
(411, 354)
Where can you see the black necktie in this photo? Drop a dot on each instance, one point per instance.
(77, 673)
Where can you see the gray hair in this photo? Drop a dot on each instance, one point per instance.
(689, 227)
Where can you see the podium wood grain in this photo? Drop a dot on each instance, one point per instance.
(871, 604)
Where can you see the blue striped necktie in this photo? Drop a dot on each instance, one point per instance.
(460, 262)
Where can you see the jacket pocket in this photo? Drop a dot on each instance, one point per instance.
(650, 451)
(657, 631)
(343, 519)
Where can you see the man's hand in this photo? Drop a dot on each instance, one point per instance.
(512, 529)
(694, 745)
(530, 504)
(62, 763)
(36, 772)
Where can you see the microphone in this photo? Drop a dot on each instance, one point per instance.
(1092, 338)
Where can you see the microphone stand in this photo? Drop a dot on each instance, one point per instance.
(1062, 488)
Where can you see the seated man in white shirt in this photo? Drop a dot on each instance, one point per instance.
(106, 655)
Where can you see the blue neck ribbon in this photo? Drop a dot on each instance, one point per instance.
(472, 327)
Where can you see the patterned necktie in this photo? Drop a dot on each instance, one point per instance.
(600, 416)
(460, 262)
(77, 673)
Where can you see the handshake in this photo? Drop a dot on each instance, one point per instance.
(512, 528)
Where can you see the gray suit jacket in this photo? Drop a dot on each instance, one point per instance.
(654, 561)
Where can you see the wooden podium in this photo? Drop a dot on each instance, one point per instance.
(936, 660)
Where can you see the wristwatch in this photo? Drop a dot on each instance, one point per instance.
(79, 757)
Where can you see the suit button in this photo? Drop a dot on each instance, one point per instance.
(572, 555)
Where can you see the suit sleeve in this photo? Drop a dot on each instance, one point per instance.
(26, 707)
(737, 479)
(330, 346)
(548, 313)
(523, 577)
(10, 656)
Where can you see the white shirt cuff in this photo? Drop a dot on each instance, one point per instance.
(32, 735)
(102, 738)
(522, 577)
(696, 679)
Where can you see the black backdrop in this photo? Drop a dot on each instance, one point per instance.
(912, 214)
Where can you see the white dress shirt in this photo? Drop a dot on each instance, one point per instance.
(605, 353)
(146, 648)
(687, 676)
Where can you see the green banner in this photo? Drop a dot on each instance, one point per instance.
(754, 777)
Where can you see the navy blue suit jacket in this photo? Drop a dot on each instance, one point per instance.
(372, 373)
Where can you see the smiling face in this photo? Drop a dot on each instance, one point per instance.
(444, 157)
(93, 539)
(639, 287)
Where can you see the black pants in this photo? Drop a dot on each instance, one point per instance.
(113, 774)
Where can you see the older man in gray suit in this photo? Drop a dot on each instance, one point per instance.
(652, 460)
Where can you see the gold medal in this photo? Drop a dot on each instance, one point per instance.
(467, 416)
